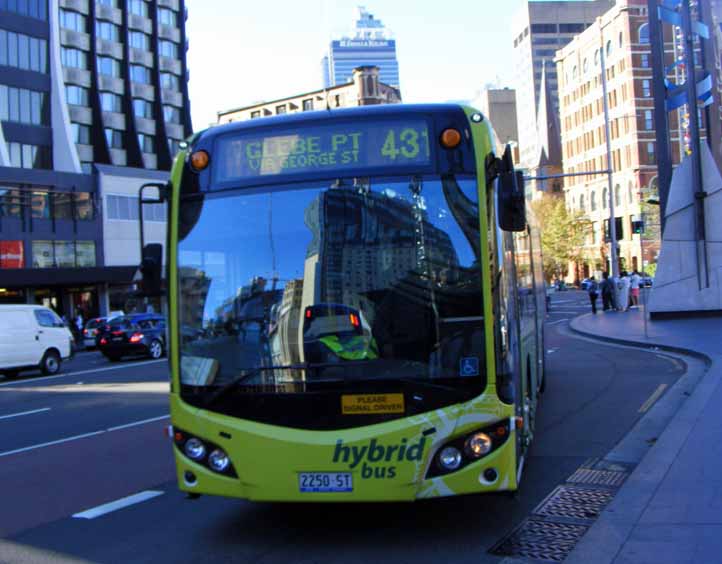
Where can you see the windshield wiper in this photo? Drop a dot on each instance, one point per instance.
(223, 390)
(427, 385)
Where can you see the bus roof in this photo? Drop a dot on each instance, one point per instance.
(362, 112)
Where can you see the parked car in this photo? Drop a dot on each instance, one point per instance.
(32, 337)
(91, 329)
(133, 335)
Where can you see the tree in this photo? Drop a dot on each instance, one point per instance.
(563, 234)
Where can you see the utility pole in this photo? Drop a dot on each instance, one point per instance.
(612, 219)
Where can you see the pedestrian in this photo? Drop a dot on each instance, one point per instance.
(623, 291)
(634, 282)
(607, 290)
(79, 323)
(593, 290)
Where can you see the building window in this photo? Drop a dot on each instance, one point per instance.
(651, 155)
(281, 109)
(62, 205)
(645, 60)
(23, 106)
(111, 3)
(173, 146)
(126, 208)
(617, 196)
(593, 201)
(74, 58)
(140, 74)
(110, 102)
(63, 254)
(308, 104)
(142, 108)
(29, 156)
(114, 138)
(76, 95)
(621, 39)
(171, 114)
(31, 8)
(644, 33)
(84, 209)
(81, 133)
(169, 81)
(146, 142)
(545, 28)
(168, 49)
(107, 31)
(648, 120)
(605, 198)
(138, 7)
(139, 40)
(582, 205)
(609, 48)
(72, 20)
(23, 52)
(166, 17)
(255, 114)
(108, 66)
(646, 89)
(10, 202)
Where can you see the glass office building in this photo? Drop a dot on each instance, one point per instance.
(369, 44)
(83, 84)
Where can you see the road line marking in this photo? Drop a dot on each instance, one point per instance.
(557, 321)
(83, 436)
(24, 413)
(553, 310)
(654, 397)
(44, 378)
(136, 423)
(117, 504)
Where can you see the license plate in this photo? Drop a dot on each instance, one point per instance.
(309, 482)
(117, 338)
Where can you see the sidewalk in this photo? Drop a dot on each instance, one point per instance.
(669, 510)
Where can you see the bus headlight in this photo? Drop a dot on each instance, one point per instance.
(218, 460)
(194, 449)
(477, 445)
(449, 458)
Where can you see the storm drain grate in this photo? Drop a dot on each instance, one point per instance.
(575, 502)
(598, 477)
(540, 540)
(608, 465)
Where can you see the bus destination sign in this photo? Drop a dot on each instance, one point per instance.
(321, 148)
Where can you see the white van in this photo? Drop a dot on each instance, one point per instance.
(32, 337)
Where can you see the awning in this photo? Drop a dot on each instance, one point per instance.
(44, 277)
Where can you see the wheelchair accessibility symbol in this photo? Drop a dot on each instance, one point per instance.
(469, 366)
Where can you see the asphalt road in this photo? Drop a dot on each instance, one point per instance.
(594, 396)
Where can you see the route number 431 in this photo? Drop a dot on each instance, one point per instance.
(408, 143)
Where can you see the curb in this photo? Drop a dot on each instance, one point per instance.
(607, 537)
(640, 344)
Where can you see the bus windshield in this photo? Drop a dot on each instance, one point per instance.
(356, 281)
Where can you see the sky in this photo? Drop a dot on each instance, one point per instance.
(242, 52)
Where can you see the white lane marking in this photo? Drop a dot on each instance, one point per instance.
(553, 310)
(551, 351)
(557, 321)
(136, 423)
(41, 445)
(83, 436)
(117, 504)
(654, 397)
(24, 413)
(44, 378)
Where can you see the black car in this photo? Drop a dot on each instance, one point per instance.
(136, 334)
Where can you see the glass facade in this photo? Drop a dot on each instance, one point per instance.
(370, 44)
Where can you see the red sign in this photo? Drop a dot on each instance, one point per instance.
(11, 254)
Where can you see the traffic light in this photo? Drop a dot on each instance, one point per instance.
(151, 265)
(637, 227)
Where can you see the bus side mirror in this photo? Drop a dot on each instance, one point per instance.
(511, 200)
(151, 266)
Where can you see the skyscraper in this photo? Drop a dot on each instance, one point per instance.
(539, 29)
(369, 44)
(93, 102)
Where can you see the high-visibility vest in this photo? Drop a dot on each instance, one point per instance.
(352, 348)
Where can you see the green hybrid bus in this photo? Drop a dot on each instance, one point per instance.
(355, 307)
